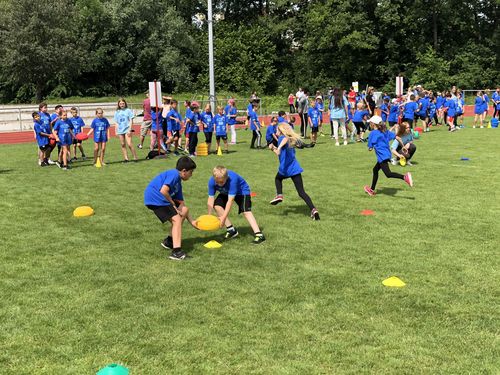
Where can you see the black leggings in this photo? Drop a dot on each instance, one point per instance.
(299, 186)
(303, 124)
(387, 171)
(360, 126)
(193, 142)
(411, 150)
(256, 136)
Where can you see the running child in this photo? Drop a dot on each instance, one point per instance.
(289, 167)
(232, 188)
(208, 126)
(379, 139)
(63, 131)
(123, 119)
(164, 197)
(100, 128)
(43, 135)
(358, 119)
(174, 123)
(78, 124)
(409, 110)
(221, 124)
(314, 121)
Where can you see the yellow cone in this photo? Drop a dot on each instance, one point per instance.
(219, 151)
(83, 211)
(98, 164)
(212, 245)
(394, 281)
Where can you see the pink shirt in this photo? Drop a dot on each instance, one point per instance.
(146, 105)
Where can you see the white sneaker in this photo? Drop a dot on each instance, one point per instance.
(345, 143)
(51, 162)
(337, 144)
(394, 162)
(409, 163)
(39, 162)
(482, 127)
(474, 127)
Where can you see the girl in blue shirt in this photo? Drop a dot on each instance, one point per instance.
(123, 119)
(231, 112)
(208, 126)
(221, 124)
(379, 139)
(63, 131)
(78, 124)
(193, 127)
(392, 119)
(100, 128)
(289, 167)
(174, 121)
(358, 119)
(255, 125)
(409, 110)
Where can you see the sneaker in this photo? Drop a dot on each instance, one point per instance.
(178, 255)
(58, 164)
(139, 146)
(258, 239)
(321, 134)
(168, 243)
(231, 234)
(74, 158)
(84, 157)
(482, 127)
(277, 199)
(42, 164)
(394, 162)
(369, 191)
(176, 153)
(409, 163)
(453, 129)
(39, 162)
(409, 179)
(125, 161)
(345, 143)
(474, 127)
(51, 162)
(337, 144)
(314, 214)
(65, 168)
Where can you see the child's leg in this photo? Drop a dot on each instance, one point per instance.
(344, 131)
(64, 152)
(80, 146)
(123, 147)
(254, 137)
(251, 220)
(233, 133)
(177, 231)
(225, 145)
(128, 138)
(217, 142)
(103, 150)
(388, 173)
(220, 211)
(96, 151)
(153, 141)
(299, 186)
(259, 137)
(376, 168)
(336, 129)
(74, 150)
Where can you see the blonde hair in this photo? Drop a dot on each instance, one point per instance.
(219, 108)
(220, 172)
(288, 132)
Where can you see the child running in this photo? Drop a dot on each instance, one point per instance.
(232, 188)
(164, 197)
(78, 124)
(289, 167)
(100, 128)
(379, 139)
(221, 125)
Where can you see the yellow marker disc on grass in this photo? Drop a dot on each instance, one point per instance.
(208, 222)
(83, 211)
(394, 282)
(212, 245)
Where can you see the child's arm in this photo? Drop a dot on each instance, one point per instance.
(277, 150)
(210, 204)
(188, 217)
(54, 133)
(230, 200)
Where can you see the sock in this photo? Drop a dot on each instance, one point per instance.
(230, 228)
(176, 249)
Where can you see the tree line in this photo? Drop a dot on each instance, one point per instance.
(64, 48)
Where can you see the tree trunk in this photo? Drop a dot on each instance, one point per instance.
(434, 25)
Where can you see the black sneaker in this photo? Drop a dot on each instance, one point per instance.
(258, 239)
(314, 214)
(176, 153)
(167, 243)
(178, 255)
(276, 200)
(231, 234)
(125, 161)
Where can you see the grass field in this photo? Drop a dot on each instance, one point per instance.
(78, 294)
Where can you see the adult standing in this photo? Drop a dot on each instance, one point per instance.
(298, 95)
(146, 120)
(370, 101)
(302, 110)
(338, 115)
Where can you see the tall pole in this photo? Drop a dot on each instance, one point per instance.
(211, 56)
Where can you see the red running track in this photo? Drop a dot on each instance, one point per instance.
(27, 136)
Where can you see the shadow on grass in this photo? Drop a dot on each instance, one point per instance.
(392, 192)
(297, 210)
(5, 171)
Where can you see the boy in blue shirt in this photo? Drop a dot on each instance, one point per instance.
(384, 109)
(450, 109)
(314, 121)
(193, 127)
(100, 127)
(379, 139)
(255, 125)
(321, 108)
(392, 119)
(271, 137)
(174, 121)
(221, 124)
(208, 126)
(78, 124)
(232, 188)
(409, 110)
(42, 134)
(164, 197)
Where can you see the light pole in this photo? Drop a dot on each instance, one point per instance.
(211, 56)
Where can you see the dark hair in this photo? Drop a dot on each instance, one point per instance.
(186, 163)
(412, 97)
(293, 119)
(118, 103)
(174, 101)
(281, 113)
(337, 98)
(187, 102)
(34, 114)
(41, 105)
(274, 118)
(386, 100)
(74, 109)
(58, 106)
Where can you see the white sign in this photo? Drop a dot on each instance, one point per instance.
(399, 86)
(355, 85)
(155, 94)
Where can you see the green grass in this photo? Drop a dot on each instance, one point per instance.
(77, 294)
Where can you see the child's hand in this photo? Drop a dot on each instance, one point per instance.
(370, 149)
(194, 223)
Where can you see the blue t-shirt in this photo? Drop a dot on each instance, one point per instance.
(271, 129)
(380, 142)
(206, 118)
(460, 106)
(45, 118)
(123, 118)
(359, 115)
(173, 125)
(409, 110)
(100, 126)
(338, 112)
(496, 98)
(235, 185)
(254, 120)
(423, 105)
(63, 129)
(53, 117)
(230, 111)
(314, 115)
(220, 123)
(282, 119)
(452, 107)
(172, 179)
(78, 124)
(440, 101)
(478, 103)
(289, 166)
(384, 108)
(432, 109)
(393, 113)
(156, 116)
(192, 125)
(40, 127)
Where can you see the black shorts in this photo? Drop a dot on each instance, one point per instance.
(244, 202)
(164, 213)
(219, 137)
(208, 137)
(174, 134)
(273, 142)
(314, 130)
(76, 141)
(423, 118)
(45, 148)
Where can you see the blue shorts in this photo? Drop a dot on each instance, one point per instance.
(66, 140)
(100, 139)
(478, 110)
